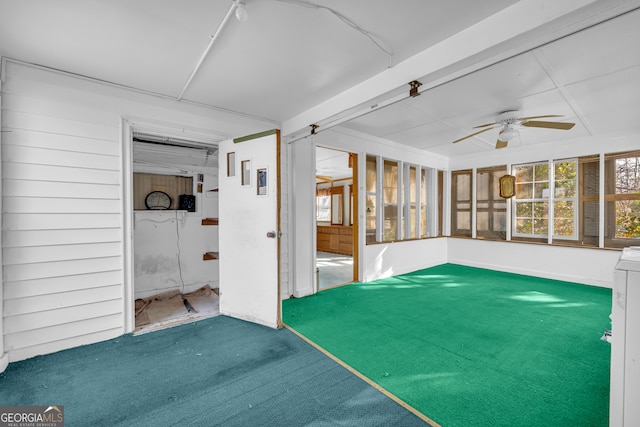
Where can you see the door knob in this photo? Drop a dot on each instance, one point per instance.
(271, 234)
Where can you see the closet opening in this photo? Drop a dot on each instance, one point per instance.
(175, 267)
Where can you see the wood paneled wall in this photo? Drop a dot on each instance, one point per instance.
(174, 186)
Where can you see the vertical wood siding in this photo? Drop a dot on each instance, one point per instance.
(62, 223)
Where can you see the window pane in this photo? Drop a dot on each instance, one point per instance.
(323, 207)
(463, 187)
(482, 185)
(524, 226)
(390, 200)
(540, 226)
(371, 175)
(412, 185)
(540, 209)
(524, 173)
(370, 199)
(390, 222)
(370, 218)
(423, 203)
(491, 208)
(524, 191)
(541, 190)
(523, 209)
(461, 203)
(464, 220)
(500, 222)
(390, 190)
(482, 221)
(563, 209)
(628, 175)
(563, 227)
(412, 227)
(541, 172)
(588, 191)
(628, 219)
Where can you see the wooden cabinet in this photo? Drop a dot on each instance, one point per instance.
(336, 239)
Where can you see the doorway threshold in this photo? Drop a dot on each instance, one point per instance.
(174, 308)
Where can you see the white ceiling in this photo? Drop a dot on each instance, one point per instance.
(592, 78)
(287, 58)
(332, 164)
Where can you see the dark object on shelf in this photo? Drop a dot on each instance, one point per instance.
(187, 202)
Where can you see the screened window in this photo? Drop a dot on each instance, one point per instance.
(390, 200)
(398, 204)
(410, 208)
(461, 203)
(371, 195)
(491, 209)
(589, 199)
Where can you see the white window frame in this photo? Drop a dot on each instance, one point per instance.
(515, 200)
(551, 199)
(574, 199)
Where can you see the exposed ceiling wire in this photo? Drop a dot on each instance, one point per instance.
(234, 6)
(343, 19)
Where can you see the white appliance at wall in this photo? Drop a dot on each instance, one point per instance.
(625, 341)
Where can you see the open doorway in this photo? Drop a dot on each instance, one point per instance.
(175, 230)
(336, 217)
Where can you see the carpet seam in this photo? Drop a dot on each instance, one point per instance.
(365, 378)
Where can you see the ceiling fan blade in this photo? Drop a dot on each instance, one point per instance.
(484, 126)
(473, 134)
(501, 144)
(549, 125)
(540, 117)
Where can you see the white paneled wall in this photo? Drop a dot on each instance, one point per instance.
(63, 222)
(62, 235)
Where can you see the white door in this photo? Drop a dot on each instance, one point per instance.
(249, 228)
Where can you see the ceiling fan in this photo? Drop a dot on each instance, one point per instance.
(509, 122)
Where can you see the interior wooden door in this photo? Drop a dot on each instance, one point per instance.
(249, 228)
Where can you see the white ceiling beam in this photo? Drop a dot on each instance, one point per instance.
(518, 28)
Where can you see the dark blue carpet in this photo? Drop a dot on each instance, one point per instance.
(215, 372)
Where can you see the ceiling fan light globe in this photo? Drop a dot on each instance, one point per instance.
(508, 135)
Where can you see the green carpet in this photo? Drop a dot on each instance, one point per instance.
(215, 372)
(471, 347)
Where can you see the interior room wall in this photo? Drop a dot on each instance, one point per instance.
(63, 202)
(587, 266)
(390, 259)
(169, 247)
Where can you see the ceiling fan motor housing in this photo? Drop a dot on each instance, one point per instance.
(508, 117)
